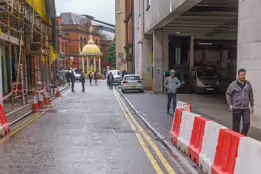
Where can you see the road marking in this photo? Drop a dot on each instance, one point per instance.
(151, 142)
(21, 126)
(141, 140)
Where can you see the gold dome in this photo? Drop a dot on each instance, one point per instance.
(91, 49)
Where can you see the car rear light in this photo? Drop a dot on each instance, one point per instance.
(139, 81)
(125, 82)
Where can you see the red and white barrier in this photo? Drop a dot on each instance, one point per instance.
(186, 128)
(5, 126)
(184, 105)
(215, 148)
(209, 145)
(249, 157)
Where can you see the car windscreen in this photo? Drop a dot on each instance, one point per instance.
(207, 74)
(132, 78)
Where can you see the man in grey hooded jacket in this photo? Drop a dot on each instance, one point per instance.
(172, 83)
(239, 95)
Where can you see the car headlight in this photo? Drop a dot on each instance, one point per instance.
(200, 83)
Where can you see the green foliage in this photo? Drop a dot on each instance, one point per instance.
(112, 54)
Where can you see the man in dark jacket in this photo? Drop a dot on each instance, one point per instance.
(82, 79)
(72, 80)
(67, 75)
(110, 79)
(239, 95)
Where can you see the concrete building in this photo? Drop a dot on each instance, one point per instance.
(183, 34)
(120, 11)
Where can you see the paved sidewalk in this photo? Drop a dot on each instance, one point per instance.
(154, 106)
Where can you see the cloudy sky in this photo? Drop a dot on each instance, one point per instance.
(103, 10)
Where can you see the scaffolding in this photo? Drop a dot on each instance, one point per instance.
(30, 36)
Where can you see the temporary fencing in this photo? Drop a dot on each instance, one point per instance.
(215, 148)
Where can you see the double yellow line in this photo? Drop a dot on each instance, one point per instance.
(23, 125)
(134, 126)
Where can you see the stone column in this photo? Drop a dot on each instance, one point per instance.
(249, 52)
(100, 64)
(94, 62)
(88, 65)
(82, 63)
(157, 64)
(191, 53)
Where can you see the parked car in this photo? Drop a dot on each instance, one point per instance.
(132, 82)
(117, 77)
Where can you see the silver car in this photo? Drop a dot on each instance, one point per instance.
(132, 82)
(117, 77)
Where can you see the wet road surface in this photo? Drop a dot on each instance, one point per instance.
(85, 133)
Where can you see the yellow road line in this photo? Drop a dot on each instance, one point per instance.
(141, 140)
(21, 126)
(151, 142)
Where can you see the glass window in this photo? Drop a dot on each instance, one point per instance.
(132, 78)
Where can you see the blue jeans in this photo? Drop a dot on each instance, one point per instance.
(170, 97)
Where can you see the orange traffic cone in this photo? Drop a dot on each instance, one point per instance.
(46, 97)
(40, 100)
(35, 104)
(58, 92)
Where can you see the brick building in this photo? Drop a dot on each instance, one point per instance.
(74, 31)
(74, 34)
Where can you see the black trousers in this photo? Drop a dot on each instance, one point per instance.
(83, 86)
(73, 86)
(237, 115)
(90, 80)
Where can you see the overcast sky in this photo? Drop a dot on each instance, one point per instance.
(103, 10)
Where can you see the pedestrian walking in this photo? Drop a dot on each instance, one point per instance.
(82, 79)
(96, 78)
(104, 73)
(110, 79)
(124, 72)
(172, 83)
(90, 77)
(72, 80)
(239, 95)
(67, 75)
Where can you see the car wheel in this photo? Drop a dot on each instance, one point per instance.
(122, 91)
(142, 91)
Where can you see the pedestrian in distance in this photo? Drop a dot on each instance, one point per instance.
(90, 77)
(172, 83)
(239, 95)
(82, 79)
(67, 75)
(124, 72)
(72, 80)
(96, 78)
(110, 79)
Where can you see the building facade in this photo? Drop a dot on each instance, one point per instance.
(181, 34)
(74, 34)
(75, 29)
(120, 10)
(26, 60)
(129, 36)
